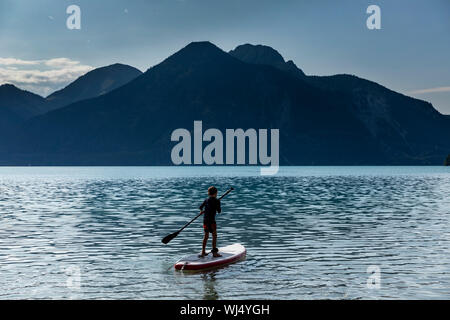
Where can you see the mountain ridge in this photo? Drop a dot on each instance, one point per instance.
(21, 102)
(16, 106)
(262, 54)
(92, 84)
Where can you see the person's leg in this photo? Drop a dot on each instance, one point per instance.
(214, 245)
(205, 241)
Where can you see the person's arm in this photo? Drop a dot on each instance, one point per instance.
(219, 209)
(202, 205)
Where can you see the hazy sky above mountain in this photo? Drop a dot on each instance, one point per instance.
(410, 54)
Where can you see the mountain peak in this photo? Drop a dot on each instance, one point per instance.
(115, 66)
(200, 47)
(257, 54)
(261, 54)
(8, 86)
(201, 52)
(11, 90)
(17, 104)
(201, 44)
(92, 84)
(111, 70)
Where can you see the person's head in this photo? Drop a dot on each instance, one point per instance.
(212, 191)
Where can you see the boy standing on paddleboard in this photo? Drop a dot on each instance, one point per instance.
(211, 205)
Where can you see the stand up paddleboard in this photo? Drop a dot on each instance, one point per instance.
(230, 254)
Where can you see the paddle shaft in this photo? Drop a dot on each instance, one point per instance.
(187, 224)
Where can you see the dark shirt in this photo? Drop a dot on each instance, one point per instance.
(211, 205)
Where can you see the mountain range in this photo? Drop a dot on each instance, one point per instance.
(126, 118)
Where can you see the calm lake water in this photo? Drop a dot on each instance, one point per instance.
(310, 232)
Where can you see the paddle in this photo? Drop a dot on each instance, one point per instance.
(168, 238)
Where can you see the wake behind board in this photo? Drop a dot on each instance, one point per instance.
(230, 254)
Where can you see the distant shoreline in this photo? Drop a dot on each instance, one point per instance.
(224, 166)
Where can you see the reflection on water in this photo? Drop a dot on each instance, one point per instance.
(310, 232)
(210, 292)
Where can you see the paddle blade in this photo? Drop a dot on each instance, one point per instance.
(168, 238)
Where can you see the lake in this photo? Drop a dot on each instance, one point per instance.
(310, 232)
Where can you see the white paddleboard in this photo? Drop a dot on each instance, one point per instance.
(230, 254)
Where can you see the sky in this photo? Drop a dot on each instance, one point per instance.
(409, 54)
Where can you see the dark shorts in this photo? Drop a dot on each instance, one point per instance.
(209, 227)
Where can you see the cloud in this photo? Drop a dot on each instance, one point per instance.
(17, 62)
(61, 63)
(431, 90)
(41, 76)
